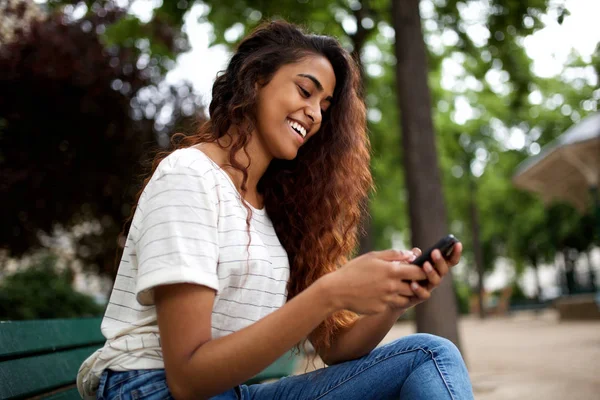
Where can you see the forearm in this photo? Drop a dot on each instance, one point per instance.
(362, 337)
(223, 363)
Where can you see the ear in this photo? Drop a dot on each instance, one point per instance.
(258, 86)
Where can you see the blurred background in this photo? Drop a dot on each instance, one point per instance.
(499, 103)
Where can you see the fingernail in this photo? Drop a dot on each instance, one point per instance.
(427, 267)
(436, 255)
(414, 286)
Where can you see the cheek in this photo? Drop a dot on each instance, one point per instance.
(267, 119)
(262, 113)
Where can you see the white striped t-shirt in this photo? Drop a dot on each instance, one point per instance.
(189, 226)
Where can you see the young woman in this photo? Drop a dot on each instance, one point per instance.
(238, 250)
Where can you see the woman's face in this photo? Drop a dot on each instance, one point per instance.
(290, 107)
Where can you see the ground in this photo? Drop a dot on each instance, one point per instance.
(526, 356)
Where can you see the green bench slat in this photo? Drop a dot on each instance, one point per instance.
(20, 338)
(283, 366)
(43, 356)
(39, 374)
(70, 394)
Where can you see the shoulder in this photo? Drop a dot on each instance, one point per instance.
(184, 172)
(187, 162)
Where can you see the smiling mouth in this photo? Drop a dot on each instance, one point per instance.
(299, 129)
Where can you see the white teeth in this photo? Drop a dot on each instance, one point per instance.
(297, 127)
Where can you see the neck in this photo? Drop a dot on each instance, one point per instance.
(256, 169)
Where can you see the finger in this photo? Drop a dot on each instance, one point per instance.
(404, 289)
(440, 264)
(456, 254)
(420, 291)
(392, 255)
(417, 251)
(409, 272)
(400, 301)
(432, 275)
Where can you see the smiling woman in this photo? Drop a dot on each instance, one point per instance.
(239, 248)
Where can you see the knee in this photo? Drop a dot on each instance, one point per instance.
(435, 344)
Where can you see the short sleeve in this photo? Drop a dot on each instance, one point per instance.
(176, 234)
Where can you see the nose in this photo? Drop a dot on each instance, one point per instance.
(314, 117)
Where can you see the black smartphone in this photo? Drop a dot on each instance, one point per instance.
(445, 245)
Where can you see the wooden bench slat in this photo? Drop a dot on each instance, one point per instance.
(20, 338)
(29, 376)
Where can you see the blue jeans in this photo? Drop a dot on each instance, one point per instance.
(419, 366)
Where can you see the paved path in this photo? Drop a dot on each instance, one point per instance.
(527, 356)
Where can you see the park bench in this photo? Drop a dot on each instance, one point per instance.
(40, 359)
(582, 307)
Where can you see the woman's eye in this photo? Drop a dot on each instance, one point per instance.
(305, 92)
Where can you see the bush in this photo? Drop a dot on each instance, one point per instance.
(42, 292)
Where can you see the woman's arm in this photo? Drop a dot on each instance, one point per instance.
(368, 330)
(198, 367)
(366, 333)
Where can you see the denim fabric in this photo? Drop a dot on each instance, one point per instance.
(419, 366)
(150, 384)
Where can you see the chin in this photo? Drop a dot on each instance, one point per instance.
(288, 153)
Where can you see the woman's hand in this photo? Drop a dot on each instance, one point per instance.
(374, 282)
(435, 273)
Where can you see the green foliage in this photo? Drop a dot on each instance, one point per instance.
(322, 17)
(41, 292)
(463, 293)
(73, 106)
(513, 223)
(517, 293)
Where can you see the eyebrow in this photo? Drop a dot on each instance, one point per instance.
(317, 84)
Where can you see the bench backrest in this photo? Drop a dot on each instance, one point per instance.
(41, 356)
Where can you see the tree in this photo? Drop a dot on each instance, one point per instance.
(518, 104)
(81, 108)
(425, 198)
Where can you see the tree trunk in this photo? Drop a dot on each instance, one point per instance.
(426, 206)
(477, 249)
(569, 271)
(365, 240)
(592, 275)
(538, 283)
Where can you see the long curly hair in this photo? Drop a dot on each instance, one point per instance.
(316, 200)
